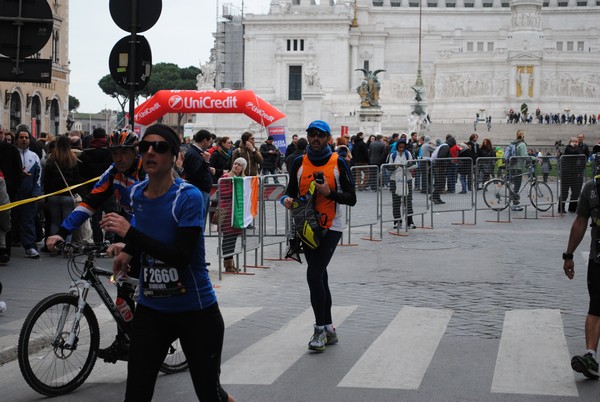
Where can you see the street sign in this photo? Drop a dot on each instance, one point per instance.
(146, 17)
(30, 70)
(26, 32)
(118, 62)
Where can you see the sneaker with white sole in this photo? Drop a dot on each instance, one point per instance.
(318, 340)
(332, 337)
(585, 365)
(2, 307)
(32, 253)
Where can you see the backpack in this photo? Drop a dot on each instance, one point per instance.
(509, 151)
(435, 153)
(306, 220)
(394, 153)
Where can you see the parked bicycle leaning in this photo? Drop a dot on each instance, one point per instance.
(176, 298)
(499, 192)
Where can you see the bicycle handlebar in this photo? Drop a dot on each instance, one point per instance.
(68, 247)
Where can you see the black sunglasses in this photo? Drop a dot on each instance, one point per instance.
(317, 133)
(160, 147)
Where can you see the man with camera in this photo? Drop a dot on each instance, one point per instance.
(333, 187)
(588, 207)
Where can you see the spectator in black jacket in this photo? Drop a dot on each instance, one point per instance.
(301, 146)
(221, 158)
(271, 156)
(377, 151)
(440, 165)
(196, 167)
(292, 147)
(360, 155)
(94, 161)
(473, 154)
(572, 167)
(10, 165)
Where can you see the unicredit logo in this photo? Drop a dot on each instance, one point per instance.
(175, 102)
(259, 111)
(147, 111)
(207, 102)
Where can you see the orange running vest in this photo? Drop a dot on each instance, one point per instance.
(325, 206)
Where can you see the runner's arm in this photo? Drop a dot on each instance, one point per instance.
(348, 194)
(177, 255)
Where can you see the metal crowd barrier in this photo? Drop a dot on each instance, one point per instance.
(401, 200)
(456, 182)
(275, 224)
(453, 185)
(250, 239)
(366, 210)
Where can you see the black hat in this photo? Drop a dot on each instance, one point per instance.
(270, 138)
(167, 133)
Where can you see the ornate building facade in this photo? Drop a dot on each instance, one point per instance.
(477, 56)
(43, 106)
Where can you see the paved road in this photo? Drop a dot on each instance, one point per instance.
(455, 313)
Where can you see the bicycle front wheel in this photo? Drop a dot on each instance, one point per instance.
(541, 196)
(48, 363)
(175, 362)
(496, 194)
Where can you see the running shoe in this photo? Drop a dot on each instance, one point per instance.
(332, 337)
(585, 365)
(32, 253)
(318, 340)
(118, 350)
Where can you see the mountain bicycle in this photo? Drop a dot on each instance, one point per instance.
(499, 192)
(59, 341)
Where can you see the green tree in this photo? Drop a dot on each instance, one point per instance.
(171, 76)
(163, 76)
(112, 89)
(73, 103)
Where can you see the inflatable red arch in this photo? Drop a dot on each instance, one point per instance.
(225, 101)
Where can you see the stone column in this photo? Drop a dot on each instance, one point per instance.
(354, 34)
(279, 78)
(512, 82)
(537, 81)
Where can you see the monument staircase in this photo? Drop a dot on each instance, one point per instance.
(502, 133)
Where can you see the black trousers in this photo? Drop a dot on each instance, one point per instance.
(397, 202)
(317, 278)
(201, 335)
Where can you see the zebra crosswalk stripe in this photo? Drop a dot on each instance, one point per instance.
(399, 357)
(231, 315)
(267, 359)
(533, 357)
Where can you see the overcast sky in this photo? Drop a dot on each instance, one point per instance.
(182, 35)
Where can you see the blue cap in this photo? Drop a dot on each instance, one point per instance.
(320, 125)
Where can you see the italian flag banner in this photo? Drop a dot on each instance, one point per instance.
(245, 201)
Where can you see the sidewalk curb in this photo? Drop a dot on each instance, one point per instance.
(8, 353)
